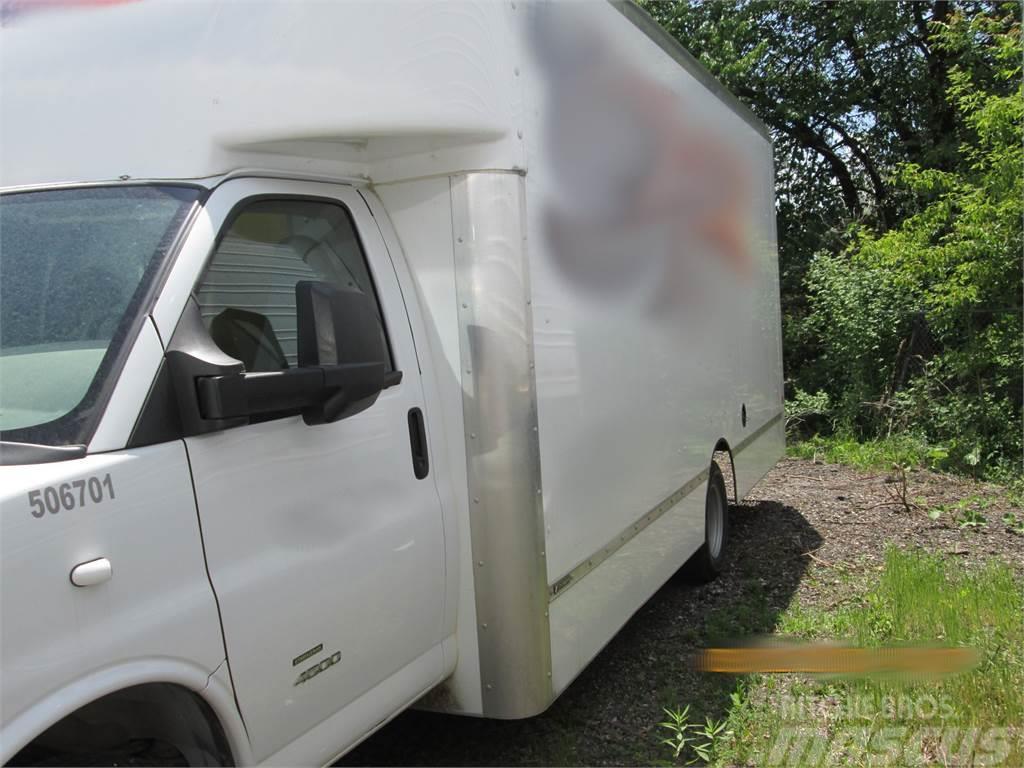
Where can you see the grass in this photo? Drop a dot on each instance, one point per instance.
(883, 453)
(975, 717)
(905, 450)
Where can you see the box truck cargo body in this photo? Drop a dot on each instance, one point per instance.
(356, 356)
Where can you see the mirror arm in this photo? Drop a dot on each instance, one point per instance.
(336, 387)
(248, 394)
(354, 388)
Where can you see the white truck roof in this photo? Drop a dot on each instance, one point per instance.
(217, 85)
(379, 90)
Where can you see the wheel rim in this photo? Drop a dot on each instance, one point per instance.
(715, 521)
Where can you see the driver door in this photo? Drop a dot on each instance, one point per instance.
(324, 547)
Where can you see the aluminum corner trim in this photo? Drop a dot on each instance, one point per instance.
(502, 446)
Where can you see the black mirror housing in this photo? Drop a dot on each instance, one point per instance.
(343, 365)
(191, 358)
(337, 327)
(340, 332)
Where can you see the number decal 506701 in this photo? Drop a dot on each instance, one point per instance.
(67, 496)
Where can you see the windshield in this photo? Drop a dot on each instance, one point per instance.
(75, 265)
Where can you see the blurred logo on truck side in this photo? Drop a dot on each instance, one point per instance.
(651, 203)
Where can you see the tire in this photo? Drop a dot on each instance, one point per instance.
(150, 724)
(137, 752)
(707, 562)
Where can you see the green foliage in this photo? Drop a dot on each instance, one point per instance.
(967, 512)
(704, 740)
(917, 598)
(804, 409)
(710, 736)
(923, 597)
(900, 193)
(857, 319)
(904, 450)
(957, 259)
(1013, 523)
(679, 726)
(972, 518)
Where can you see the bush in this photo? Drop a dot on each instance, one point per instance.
(919, 329)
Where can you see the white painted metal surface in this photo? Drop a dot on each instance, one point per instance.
(330, 738)
(130, 392)
(588, 615)
(203, 88)
(420, 213)
(645, 353)
(54, 636)
(655, 301)
(321, 536)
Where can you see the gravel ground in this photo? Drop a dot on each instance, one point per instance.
(799, 536)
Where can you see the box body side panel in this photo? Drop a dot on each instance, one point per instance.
(586, 617)
(653, 265)
(762, 364)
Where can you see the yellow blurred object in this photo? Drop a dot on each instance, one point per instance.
(837, 660)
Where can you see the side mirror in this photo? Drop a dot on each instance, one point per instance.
(343, 365)
(341, 333)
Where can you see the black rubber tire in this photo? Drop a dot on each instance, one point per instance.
(138, 752)
(707, 561)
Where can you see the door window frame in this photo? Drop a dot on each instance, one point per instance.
(152, 407)
(242, 204)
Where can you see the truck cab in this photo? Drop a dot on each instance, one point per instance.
(177, 506)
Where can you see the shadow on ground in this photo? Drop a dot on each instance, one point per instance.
(609, 715)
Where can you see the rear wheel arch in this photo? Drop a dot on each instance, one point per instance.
(721, 455)
(155, 723)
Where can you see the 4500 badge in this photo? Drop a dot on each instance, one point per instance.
(316, 669)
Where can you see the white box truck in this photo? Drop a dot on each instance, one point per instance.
(356, 355)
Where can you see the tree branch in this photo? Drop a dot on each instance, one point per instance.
(803, 134)
(867, 74)
(879, 190)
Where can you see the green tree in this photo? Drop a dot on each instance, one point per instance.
(897, 132)
(957, 258)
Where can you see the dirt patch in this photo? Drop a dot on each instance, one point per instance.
(859, 513)
(807, 533)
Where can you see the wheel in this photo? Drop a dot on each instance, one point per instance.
(706, 563)
(143, 725)
(137, 752)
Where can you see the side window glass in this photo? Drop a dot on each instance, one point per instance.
(247, 296)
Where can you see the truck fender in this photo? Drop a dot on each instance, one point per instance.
(211, 688)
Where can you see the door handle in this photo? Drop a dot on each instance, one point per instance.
(418, 441)
(91, 573)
